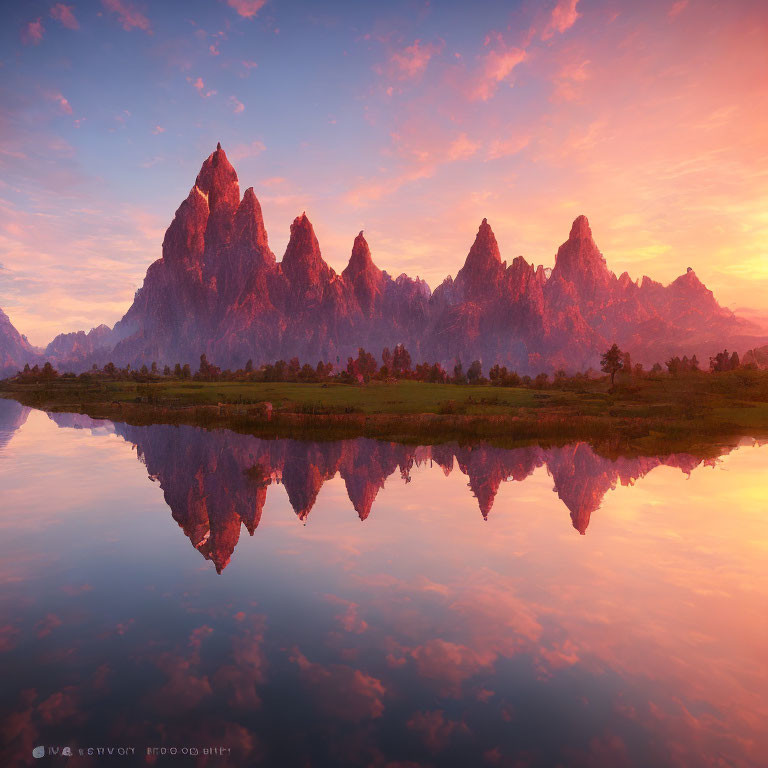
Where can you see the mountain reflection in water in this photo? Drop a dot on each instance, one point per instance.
(215, 482)
(425, 636)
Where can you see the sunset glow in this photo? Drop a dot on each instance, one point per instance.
(412, 121)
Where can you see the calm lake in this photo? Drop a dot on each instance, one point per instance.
(370, 604)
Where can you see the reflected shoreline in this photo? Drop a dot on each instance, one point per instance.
(425, 636)
(216, 482)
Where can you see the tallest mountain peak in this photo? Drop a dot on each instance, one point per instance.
(217, 181)
(580, 262)
(580, 229)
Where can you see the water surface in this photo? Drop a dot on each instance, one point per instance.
(369, 604)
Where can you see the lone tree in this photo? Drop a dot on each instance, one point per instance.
(611, 361)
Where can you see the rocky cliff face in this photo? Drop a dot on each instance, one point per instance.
(218, 289)
(15, 350)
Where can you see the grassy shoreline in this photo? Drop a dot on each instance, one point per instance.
(697, 413)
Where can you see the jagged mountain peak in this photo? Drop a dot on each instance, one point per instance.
(580, 263)
(580, 229)
(209, 292)
(250, 234)
(360, 260)
(485, 248)
(483, 267)
(303, 263)
(218, 179)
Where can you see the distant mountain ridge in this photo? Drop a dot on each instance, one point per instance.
(219, 289)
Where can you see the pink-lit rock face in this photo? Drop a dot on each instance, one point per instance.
(218, 289)
(14, 348)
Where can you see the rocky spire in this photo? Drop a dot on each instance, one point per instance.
(482, 269)
(303, 263)
(249, 233)
(363, 276)
(217, 181)
(360, 261)
(580, 263)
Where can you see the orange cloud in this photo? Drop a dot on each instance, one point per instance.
(32, 34)
(129, 16)
(247, 8)
(564, 16)
(64, 14)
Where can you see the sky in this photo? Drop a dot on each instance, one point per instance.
(410, 120)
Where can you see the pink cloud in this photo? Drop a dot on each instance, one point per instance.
(59, 706)
(497, 65)
(45, 626)
(250, 64)
(241, 151)
(412, 60)
(349, 619)
(62, 102)
(435, 728)
(236, 104)
(200, 86)
(450, 664)
(32, 34)
(564, 16)
(64, 14)
(130, 16)
(344, 692)
(247, 8)
(462, 148)
(214, 50)
(158, 129)
(506, 147)
(677, 8)
(569, 80)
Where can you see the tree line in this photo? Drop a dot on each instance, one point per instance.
(396, 364)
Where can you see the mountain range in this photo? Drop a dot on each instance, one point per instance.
(219, 289)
